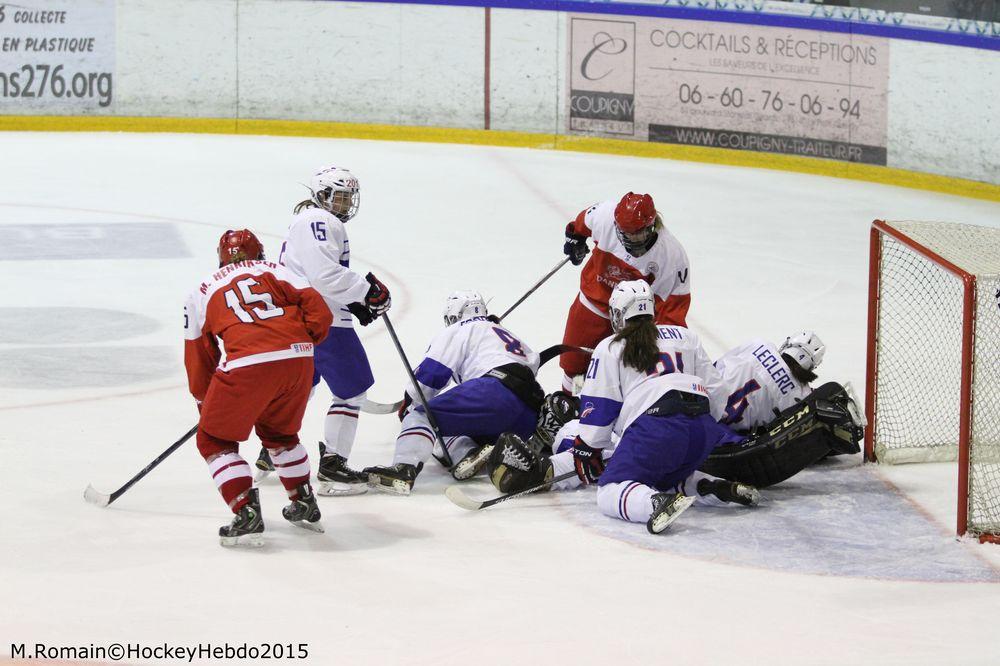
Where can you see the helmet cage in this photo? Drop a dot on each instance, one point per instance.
(636, 243)
(336, 191)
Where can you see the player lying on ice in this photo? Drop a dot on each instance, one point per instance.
(316, 248)
(495, 391)
(630, 243)
(268, 320)
(783, 433)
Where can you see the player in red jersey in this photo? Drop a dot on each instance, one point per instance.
(268, 320)
(630, 243)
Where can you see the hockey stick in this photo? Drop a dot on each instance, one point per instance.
(550, 353)
(544, 356)
(460, 499)
(537, 285)
(100, 499)
(370, 407)
(446, 459)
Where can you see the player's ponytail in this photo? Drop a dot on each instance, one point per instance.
(639, 336)
(302, 205)
(801, 374)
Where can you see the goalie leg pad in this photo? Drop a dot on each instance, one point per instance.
(800, 436)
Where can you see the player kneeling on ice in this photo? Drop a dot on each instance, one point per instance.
(268, 319)
(495, 392)
(646, 384)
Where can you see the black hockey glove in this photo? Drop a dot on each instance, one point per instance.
(377, 299)
(363, 314)
(575, 246)
(588, 460)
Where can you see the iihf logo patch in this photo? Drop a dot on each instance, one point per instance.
(587, 409)
(652, 268)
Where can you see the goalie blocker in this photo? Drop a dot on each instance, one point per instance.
(827, 421)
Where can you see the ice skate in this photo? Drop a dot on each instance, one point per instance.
(667, 507)
(264, 466)
(730, 491)
(304, 512)
(336, 478)
(247, 528)
(397, 479)
(472, 462)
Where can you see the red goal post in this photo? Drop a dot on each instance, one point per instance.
(933, 366)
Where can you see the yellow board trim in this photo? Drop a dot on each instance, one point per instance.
(821, 167)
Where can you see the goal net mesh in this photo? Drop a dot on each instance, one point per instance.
(919, 356)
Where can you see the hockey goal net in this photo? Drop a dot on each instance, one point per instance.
(933, 375)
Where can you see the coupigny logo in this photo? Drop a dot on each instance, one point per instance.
(604, 43)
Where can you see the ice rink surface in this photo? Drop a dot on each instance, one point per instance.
(103, 235)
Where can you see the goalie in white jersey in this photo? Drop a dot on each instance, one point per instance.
(316, 247)
(759, 380)
(495, 392)
(647, 385)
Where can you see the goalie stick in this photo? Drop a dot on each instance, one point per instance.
(460, 499)
(100, 499)
(546, 355)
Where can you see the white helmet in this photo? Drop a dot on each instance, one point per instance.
(805, 348)
(462, 305)
(632, 298)
(325, 185)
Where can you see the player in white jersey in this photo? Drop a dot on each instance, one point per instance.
(647, 384)
(760, 380)
(316, 247)
(495, 392)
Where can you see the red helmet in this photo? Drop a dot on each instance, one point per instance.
(634, 212)
(239, 245)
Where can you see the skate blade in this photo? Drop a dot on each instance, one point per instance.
(393, 487)
(665, 519)
(467, 469)
(340, 489)
(247, 540)
(306, 525)
(260, 474)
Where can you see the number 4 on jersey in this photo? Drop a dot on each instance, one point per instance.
(249, 297)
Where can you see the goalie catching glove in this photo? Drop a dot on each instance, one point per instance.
(514, 466)
(377, 302)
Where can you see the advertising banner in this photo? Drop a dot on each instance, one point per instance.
(735, 86)
(56, 56)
